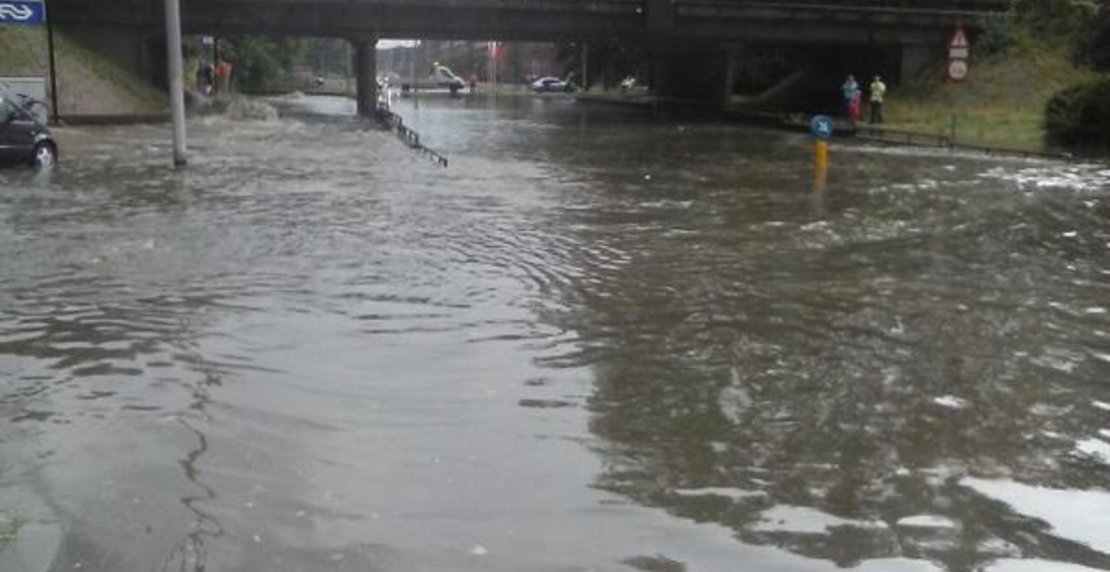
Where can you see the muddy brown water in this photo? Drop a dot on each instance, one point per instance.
(598, 341)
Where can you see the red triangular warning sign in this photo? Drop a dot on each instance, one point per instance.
(958, 39)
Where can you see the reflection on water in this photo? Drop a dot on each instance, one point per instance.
(596, 342)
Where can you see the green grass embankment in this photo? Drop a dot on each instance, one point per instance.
(88, 83)
(1000, 104)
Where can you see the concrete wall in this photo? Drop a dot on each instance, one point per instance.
(137, 50)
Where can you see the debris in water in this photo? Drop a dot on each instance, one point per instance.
(951, 401)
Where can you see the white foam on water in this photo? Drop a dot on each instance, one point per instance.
(1078, 515)
(998, 547)
(927, 521)
(896, 565)
(1096, 448)
(807, 520)
(951, 401)
(1035, 565)
(734, 402)
(730, 493)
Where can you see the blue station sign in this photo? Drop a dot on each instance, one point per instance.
(22, 12)
(822, 127)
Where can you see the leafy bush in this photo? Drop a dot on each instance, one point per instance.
(1080, 115)
(998, 33)
(1098, 48)
(1056, 19)
(261, 62)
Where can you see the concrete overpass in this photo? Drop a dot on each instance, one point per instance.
(693, 38)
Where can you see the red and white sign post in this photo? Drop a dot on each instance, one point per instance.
(958, 51)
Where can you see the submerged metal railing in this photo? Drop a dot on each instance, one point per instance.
(410, 138)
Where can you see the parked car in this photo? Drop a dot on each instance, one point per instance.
(23, 139)
(551, 84)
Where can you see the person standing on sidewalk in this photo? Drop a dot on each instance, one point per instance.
(223, 77)
(878, 92)
(849, 90)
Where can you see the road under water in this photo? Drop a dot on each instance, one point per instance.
(598, 341)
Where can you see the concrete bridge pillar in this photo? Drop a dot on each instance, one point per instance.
(732, 59)
(366, 74)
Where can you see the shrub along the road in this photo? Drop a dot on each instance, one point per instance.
(1080, 115)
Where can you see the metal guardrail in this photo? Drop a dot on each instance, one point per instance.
(410, 138)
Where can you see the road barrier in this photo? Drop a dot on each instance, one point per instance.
(410, 138)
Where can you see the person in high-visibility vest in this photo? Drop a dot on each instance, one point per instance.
(878, 91)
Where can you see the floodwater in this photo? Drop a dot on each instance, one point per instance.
(598, 341)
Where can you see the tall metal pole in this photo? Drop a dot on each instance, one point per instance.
(585, 66)
(177, 80)
(53, 67)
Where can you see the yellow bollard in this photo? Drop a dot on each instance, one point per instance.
(822, 128)
(820, 166)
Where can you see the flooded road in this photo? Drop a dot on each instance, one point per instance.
(595, 342)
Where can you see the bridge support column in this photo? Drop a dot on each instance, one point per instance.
(366, 75)
(731, 59)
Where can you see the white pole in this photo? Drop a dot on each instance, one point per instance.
(177, 80)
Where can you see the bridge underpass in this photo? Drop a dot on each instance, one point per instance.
(693, 41)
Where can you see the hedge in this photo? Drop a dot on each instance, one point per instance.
(1080, 115)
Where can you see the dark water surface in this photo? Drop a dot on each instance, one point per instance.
(595, 342)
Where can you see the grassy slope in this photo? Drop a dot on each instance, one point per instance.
(87, 82)
(1000, 104)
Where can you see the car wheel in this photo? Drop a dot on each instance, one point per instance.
(45, 155)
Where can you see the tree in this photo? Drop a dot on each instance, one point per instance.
(261, 62)
(1099, 47)
(1055, 19)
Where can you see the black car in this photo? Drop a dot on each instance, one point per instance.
(23, 139)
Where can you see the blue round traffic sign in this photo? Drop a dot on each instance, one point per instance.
(822, 127)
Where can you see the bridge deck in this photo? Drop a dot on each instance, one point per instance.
(547, 20)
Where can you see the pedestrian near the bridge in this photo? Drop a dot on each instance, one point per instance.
(223, 77)
(204, 78)
(878, 92)
(850, 92)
